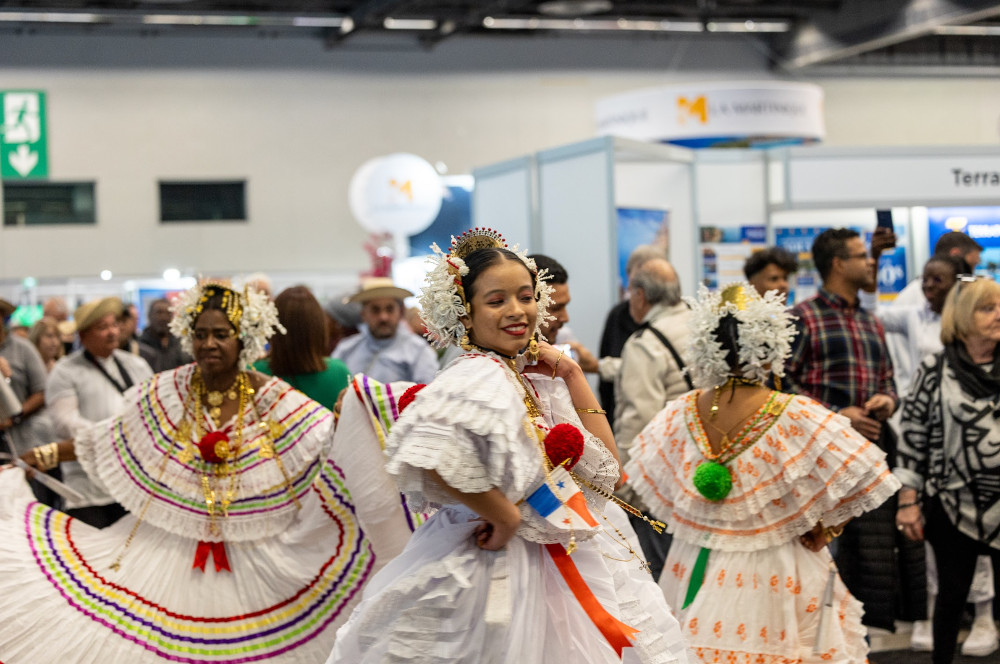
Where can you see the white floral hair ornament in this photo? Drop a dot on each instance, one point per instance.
(442, 299)
(764, 327)
(251, 313)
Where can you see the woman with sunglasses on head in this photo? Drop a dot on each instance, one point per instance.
(240, 543)
(949, 452)
(497, 575)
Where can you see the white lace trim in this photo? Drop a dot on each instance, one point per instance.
(129, 465)
(809, 465)
(469, 425)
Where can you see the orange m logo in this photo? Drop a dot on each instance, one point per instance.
(404, 187)
(695, 107)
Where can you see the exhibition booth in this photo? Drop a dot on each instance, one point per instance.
(589, 204)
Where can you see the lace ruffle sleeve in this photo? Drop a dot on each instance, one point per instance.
(806, 464)
(468, 426)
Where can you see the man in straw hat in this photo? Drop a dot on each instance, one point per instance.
(384, 349)
(86, 387)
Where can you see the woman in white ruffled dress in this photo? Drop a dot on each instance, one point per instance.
(487, 579)
(753, 484)
(240, 544)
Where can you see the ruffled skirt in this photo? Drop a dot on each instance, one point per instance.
(763, 607)
(445, 601)
(282, 602)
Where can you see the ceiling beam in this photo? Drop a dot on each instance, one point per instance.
(865, 25)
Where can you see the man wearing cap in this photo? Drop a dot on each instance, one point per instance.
(27, 378)
(386, 350)
(86, 387)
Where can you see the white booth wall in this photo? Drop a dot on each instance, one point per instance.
(570, 213)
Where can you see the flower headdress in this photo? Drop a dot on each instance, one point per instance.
(251, 313)
(442, 299)
(764, 327)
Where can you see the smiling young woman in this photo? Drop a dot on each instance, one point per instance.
(489, 577)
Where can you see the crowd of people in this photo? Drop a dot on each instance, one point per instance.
(752, 482)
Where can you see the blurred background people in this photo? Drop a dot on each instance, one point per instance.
(343, 320)
(559, 280)
(86, 387)
(45, 336)
(128, 326)
(161, 350)
(771, 269)
(948, 461)
(299, 356)
(386, 349)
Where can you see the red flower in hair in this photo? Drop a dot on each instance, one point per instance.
(214, 447)
(409, 395)
(564, 441)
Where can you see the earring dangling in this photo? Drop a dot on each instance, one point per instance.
(532, 352)
(463, 343)
(777, 382)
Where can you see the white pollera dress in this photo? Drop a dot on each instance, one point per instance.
(444, 600)
(762, 590)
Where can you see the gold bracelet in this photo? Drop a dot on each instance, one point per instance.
(554, 366)
(596, 411)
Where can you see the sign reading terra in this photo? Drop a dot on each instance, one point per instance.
(23, 141)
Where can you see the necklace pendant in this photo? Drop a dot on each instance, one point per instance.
(214, 398)
(723, 442)
(215, 413)
(231, 395)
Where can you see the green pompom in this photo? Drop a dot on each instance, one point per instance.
(712, 480)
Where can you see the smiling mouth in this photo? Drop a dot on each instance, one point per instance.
(516, 330)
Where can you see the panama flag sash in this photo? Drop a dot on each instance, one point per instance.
(561, 502)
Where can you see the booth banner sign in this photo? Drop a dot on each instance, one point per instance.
(893, 180)
(982, 224)
(724, 251)
(690, 114)
(24, 140)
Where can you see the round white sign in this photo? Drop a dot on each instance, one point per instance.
(399, 194)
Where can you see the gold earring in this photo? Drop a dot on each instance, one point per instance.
(532, 352)
(464, 342)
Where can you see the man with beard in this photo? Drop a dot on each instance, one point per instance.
(384, 349)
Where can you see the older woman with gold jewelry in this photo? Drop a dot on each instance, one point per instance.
(240, 545)
(948, 457)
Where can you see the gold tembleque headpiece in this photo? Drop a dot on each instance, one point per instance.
(476, 239)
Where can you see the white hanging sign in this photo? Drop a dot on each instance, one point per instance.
(681, 113)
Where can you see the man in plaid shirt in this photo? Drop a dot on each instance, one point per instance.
(839, 355)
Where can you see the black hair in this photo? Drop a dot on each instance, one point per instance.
(218, 298)
(957, 264)
(830, 244)
(554, 268)
(481, 259)
(728, 336)
(759, 260)
(155, 302)
(956, 240)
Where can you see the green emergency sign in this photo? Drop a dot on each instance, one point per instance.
(24, 150)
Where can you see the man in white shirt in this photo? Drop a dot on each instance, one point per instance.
(85, 387)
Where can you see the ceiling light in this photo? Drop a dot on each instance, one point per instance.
(409, 23)
(592, 25)
(748, 26)
(322, 22)
(171, 274)
(50, 17)
(968, 30)
(198, 19)
(106, 275)
(567, 8)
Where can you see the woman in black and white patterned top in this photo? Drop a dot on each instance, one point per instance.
(949, 451)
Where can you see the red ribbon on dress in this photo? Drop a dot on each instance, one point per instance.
(615, 631)
(218, 551)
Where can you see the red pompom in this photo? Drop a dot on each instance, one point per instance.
(214, 447)
(564, 441)
(409, 395)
